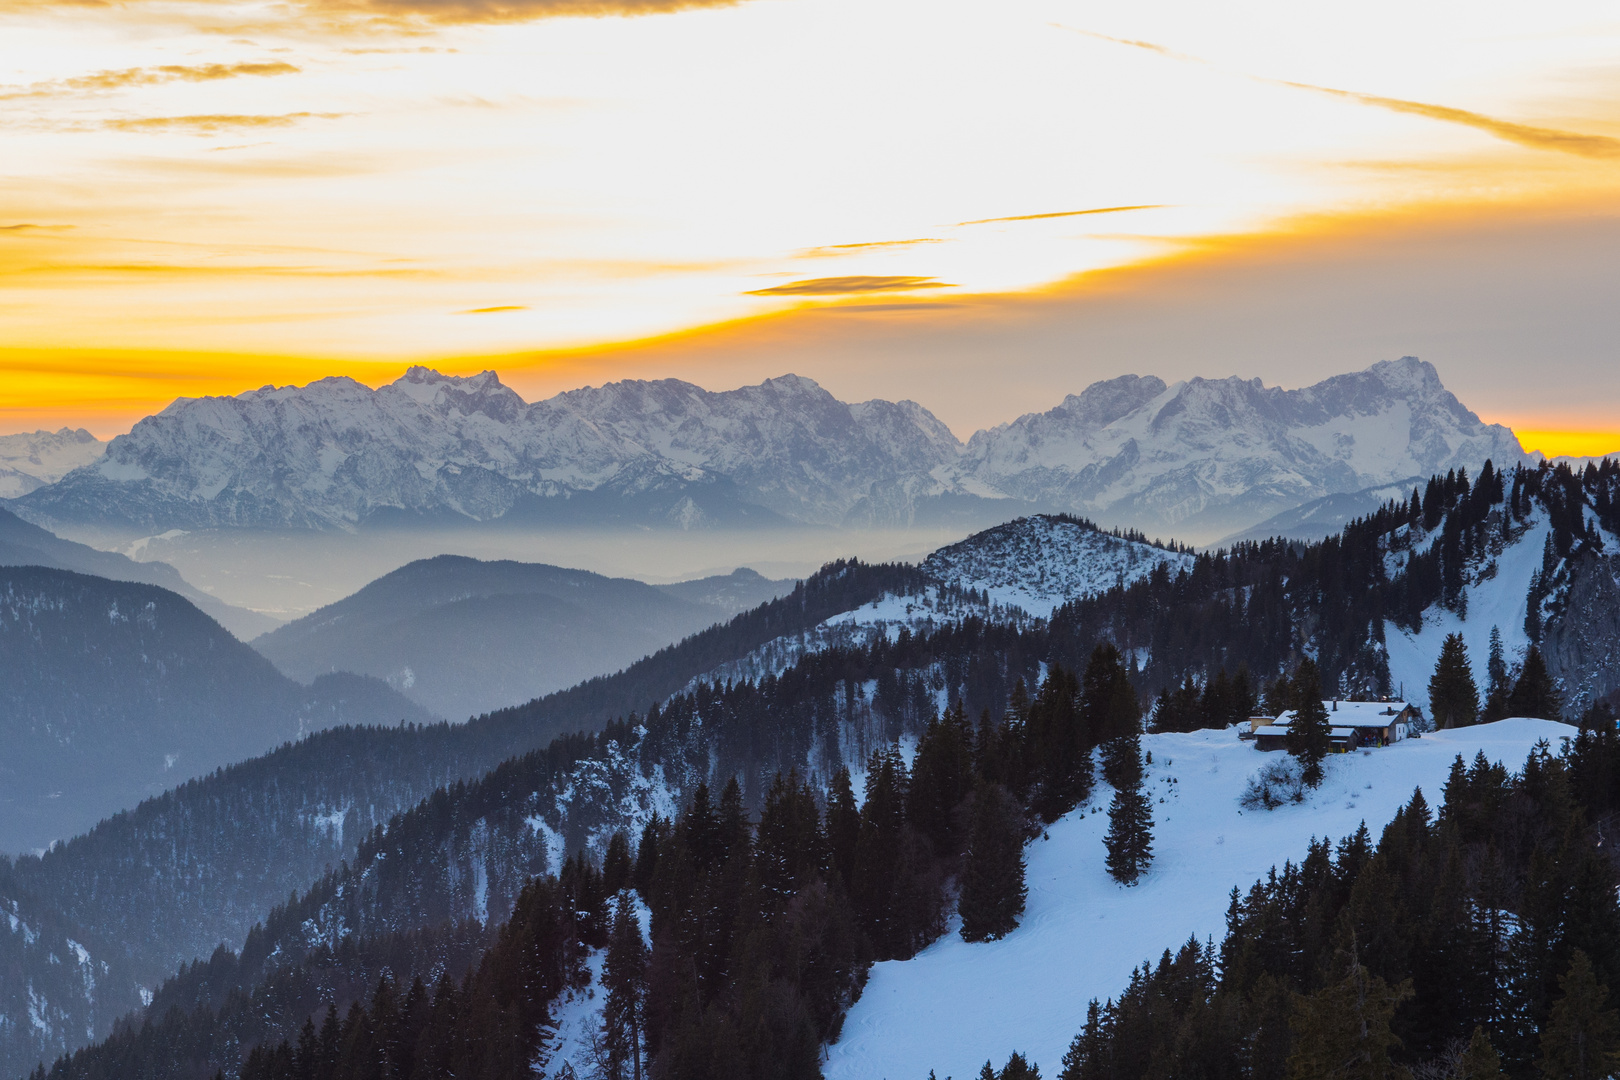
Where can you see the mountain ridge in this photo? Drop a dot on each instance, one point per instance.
(1199, 459)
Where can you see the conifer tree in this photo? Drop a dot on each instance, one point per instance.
(843, 826)
(624, 977)
(993, 889)
(1018, 1068)
(1453, 697)
(1534, 694)
(1480, 1061)
(1498, 684)
(1130, 818)
(616, 866)
(1308, 734)
(1343, 1030)
(1108, 704)
(1581, 1040)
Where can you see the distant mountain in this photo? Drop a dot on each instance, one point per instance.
(25, 544)
(113, 691)
(1209, 457)
(463, 637)
(1198, 460)
(429, 447)
(734, 593)
(32, 459)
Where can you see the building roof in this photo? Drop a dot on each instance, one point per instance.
(1351, 714)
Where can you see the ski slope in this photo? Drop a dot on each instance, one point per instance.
(956, 1005)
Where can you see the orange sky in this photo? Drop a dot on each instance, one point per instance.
(981, 207)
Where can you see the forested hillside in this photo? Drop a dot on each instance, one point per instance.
(111, 692)
(1233, 620)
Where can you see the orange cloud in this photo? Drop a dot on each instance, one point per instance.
(213, 123)
(494, 310)
(1536, 138)
(829, 250)
(147, 76)
(1062, 214)
(853, 284)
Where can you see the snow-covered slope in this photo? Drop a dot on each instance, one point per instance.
(32, 459)
(956, 1005)
(334, 454)
(1208, 457)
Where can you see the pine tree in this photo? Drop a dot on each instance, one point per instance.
(1498, 684)
(993, 889)
(1017, 1068)
(624, 977)
(1130, 819)
(1534, 693)
(1343, 1030)
(1581, 1039)
(1108, 704)
(843, 826)
(1309, 732)
(1480, 1061)
(1453, 697)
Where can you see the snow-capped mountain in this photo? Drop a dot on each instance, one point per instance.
(1198, 460)
(32, 459)
(1014, 573)
(1207, 457)
(335, 454)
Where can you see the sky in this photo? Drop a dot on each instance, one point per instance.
(979, 206)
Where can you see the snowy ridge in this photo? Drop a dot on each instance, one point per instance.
(1039, 563)
(32, 459)
(955, 1005)
(1205, 458)
(1200, 459)
(1017, 574)
(334, 453)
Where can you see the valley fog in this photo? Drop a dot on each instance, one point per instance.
(288, 574)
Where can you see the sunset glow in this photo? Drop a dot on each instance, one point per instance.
(191, 190)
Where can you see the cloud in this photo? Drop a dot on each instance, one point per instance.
(147, 76)
(502, 11)
(1536, 138)
(213, 123)
(1062, 213)
(829, 250)
(1527, 135)
(493, 310)
(852, 285)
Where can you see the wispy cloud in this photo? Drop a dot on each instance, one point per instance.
(852, 285)
(494, 310)
(1536, 138)
(1062, 214)
(829, 250)
(1527, 135)
(103, 81)
(213, 123)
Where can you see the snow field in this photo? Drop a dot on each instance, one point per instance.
(956, 1005)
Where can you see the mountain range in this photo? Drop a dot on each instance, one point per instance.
(1199, 459)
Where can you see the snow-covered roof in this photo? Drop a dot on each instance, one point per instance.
(1354, 713)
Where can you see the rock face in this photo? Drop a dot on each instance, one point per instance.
(33, 459)
(1207, 457)
(1197, 460)
(1581, 641)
